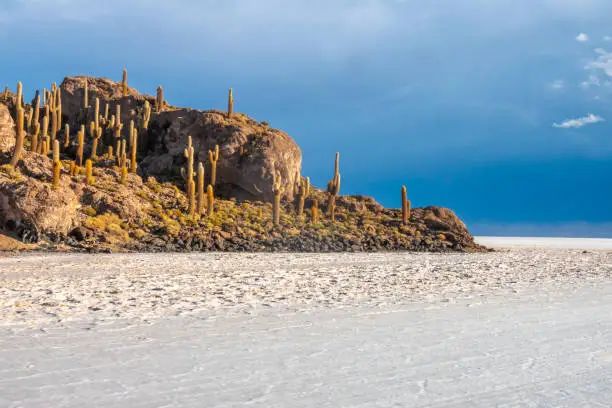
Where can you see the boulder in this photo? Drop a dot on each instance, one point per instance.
(32, 208)
(248, 151)
(7, 129)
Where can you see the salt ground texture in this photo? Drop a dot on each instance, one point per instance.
(536, 242)
(524, 327)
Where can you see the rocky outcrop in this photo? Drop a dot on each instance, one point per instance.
(248, 151)
(7, 129)
(109, 92)
(31, 208)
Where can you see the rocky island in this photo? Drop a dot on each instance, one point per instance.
(94, 165)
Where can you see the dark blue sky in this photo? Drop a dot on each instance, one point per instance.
(458, 100)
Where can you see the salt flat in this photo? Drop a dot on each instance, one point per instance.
(525, 327)
(543, 242)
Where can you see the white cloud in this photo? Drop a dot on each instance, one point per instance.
(602, 63)
(582, 37)
(580, 122)
(592, 81)
(558, 84)
(607, 38)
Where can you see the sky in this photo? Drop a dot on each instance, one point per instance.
(500, 110)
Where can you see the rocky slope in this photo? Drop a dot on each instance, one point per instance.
(150, 211)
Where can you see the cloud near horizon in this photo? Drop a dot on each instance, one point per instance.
(579, 122)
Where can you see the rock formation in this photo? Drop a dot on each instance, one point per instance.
(103, 207)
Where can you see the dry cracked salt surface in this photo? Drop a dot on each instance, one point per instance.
(40, 289)
(528, 327)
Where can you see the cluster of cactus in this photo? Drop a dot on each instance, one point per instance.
(195, 188)
(44, 136)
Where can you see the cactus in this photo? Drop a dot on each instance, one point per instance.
(133, 149)
(130, 133)
(303, 185)
(109, 153)
(97, 114)
(146, 116)
(124, 85)
(191, 197)
(18, 150)
(106, 112)
(124, 173)
(96, 134)
(230, 103)
(53, 111)
(80, 146)
(333, 188)
(18, 102)
(213, 158)
(89, 179)
(200, 188)
(405, 207)
(159, 104)
(6, 92)
(315, 211)
(85, 94)
(278, 190)
(45, 131)
(58, 109)
(187, 171)
(210, 200)
(46, 146)
(118, 126)
(73, 169)
(121, 153)
(66, 136)
(36, 118)
(57, 164)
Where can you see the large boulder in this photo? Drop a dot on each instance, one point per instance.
(7, 129)
(31, 207)
(249, 151)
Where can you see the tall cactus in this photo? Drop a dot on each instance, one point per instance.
(80, 146)
(213, 158)
(44, 134)
(210, 200)
(200, 189)
(18, 103)
(230, 103)
(187, 171)
(159, 105)
(303, 190)
(124, 85)
(118, 126)
(133, 150)
(18, 150)
(66, 136)
(96, 135)
(85, 94)
(333, 188)
(277, 189)
(405, 206)
(146, 117)
(57, 164)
